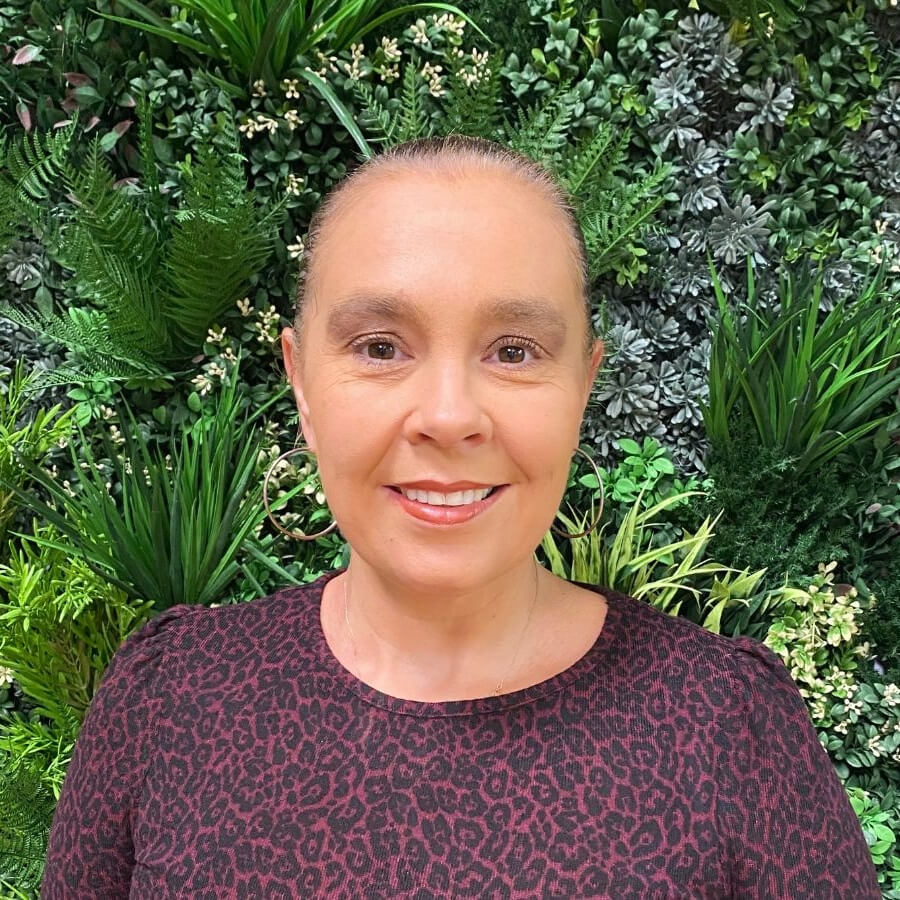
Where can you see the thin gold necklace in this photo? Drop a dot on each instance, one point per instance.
(497, 690)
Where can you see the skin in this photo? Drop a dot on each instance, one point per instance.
(440, 613)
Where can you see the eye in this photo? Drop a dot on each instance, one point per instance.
(515, 349)
(374, 349)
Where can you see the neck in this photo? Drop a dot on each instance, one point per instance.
(431, 642)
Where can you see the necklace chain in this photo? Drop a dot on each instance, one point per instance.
(497, 690)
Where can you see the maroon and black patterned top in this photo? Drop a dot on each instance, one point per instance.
(227, 753)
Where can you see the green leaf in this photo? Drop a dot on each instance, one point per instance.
(87, 95)
(109, 140)
(195, 404)
(82, 414)
(344, 116)
(39, 14)
(627, 445)
(94, 30)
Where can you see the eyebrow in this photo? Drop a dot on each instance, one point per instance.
(355, 310)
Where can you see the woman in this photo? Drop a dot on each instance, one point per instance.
(445, 718)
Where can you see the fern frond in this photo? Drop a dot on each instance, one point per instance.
(593, 159)
(374, 115)
(26, 814)
(474, 109)
(219, 239)
(609, 226)
(38, 161)
(541, 131)
(113, 219)
(87, 332)
(411, 115)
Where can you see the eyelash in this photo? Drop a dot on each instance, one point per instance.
(359, 347)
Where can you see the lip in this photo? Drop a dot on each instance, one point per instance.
(446, 515)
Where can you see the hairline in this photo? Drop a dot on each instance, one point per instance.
(452, 162)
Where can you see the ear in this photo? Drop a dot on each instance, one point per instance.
(294, 372)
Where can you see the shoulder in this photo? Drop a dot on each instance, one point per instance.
(244, 635)
(145, 649)
(734, 672)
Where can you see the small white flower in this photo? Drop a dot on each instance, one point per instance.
(295, 184)
(259, 88)
(390, 73)
(450, 22)
(202, 382)
(6, 675)
(266, 123)
(419, 32)
(390, 49)
(296, 250)
(292, 117)
(214, 336)
(244, 306)
(291, 88)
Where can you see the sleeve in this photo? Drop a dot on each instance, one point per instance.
(790, 831)
(90, 853)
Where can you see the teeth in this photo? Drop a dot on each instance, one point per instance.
(458, 498)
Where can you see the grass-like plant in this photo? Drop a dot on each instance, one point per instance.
(169, 536)
(29, 436)
(661, 575)
(157, 275)
(812, 388)
(263, 39)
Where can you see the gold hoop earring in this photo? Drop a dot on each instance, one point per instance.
(566, 534)
(297, 535)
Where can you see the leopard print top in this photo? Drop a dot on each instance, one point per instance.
(228, 754)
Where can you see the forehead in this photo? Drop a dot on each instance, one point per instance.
(427, 245)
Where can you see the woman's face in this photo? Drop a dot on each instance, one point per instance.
(443, 342)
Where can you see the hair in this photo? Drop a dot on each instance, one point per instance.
(451, 155)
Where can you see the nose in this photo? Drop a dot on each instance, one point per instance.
(447, 405)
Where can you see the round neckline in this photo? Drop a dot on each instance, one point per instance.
(479, 705)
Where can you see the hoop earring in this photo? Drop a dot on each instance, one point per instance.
(297, 535)
(566, 534)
